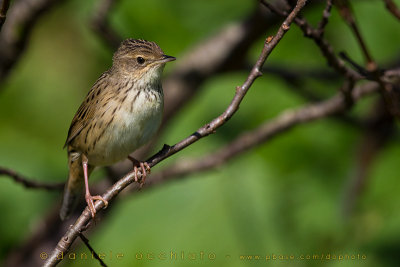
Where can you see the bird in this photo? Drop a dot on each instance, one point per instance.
(121, 112)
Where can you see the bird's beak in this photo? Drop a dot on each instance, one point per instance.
(166, 59)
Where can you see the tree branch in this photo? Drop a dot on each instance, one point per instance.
(30, 183)
(283, 122)
(271, 42)
(325, 17)
(390, 95)
(14, 35)
(391, 6)
(92, 251)
(317, 35)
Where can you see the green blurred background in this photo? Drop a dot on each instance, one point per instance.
(285, 197)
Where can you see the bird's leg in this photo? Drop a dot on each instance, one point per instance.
(143, 166)
(89, 198)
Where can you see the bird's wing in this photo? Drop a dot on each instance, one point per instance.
(86, 111)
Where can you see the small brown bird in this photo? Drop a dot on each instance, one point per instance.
(121, 112)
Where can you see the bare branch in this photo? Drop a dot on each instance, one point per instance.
(92, 251)
(271, 42)
(346, 12)
(28, 183)
(265, 132)
(325, 17)
(326, 49)
(14, 35)
(390, 95)
(391, 6)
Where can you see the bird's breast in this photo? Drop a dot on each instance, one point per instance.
(132, 120)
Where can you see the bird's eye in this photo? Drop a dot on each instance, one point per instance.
(140, 60)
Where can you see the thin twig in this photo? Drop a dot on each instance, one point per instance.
(21, 19)
(346, 12)
(391, 6)
(92, 251)
(271, 42)
(360, 69)
(28, 183)
(326, 49)
(325, 18)
(375, 73)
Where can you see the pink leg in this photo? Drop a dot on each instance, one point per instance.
(89, 198)
(145, 168)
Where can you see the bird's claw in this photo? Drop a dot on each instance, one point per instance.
(145, 168)
(89, 201)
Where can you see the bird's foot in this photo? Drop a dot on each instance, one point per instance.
(144, 167)
(89, 200)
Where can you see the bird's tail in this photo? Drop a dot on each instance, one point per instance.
(73, 188)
